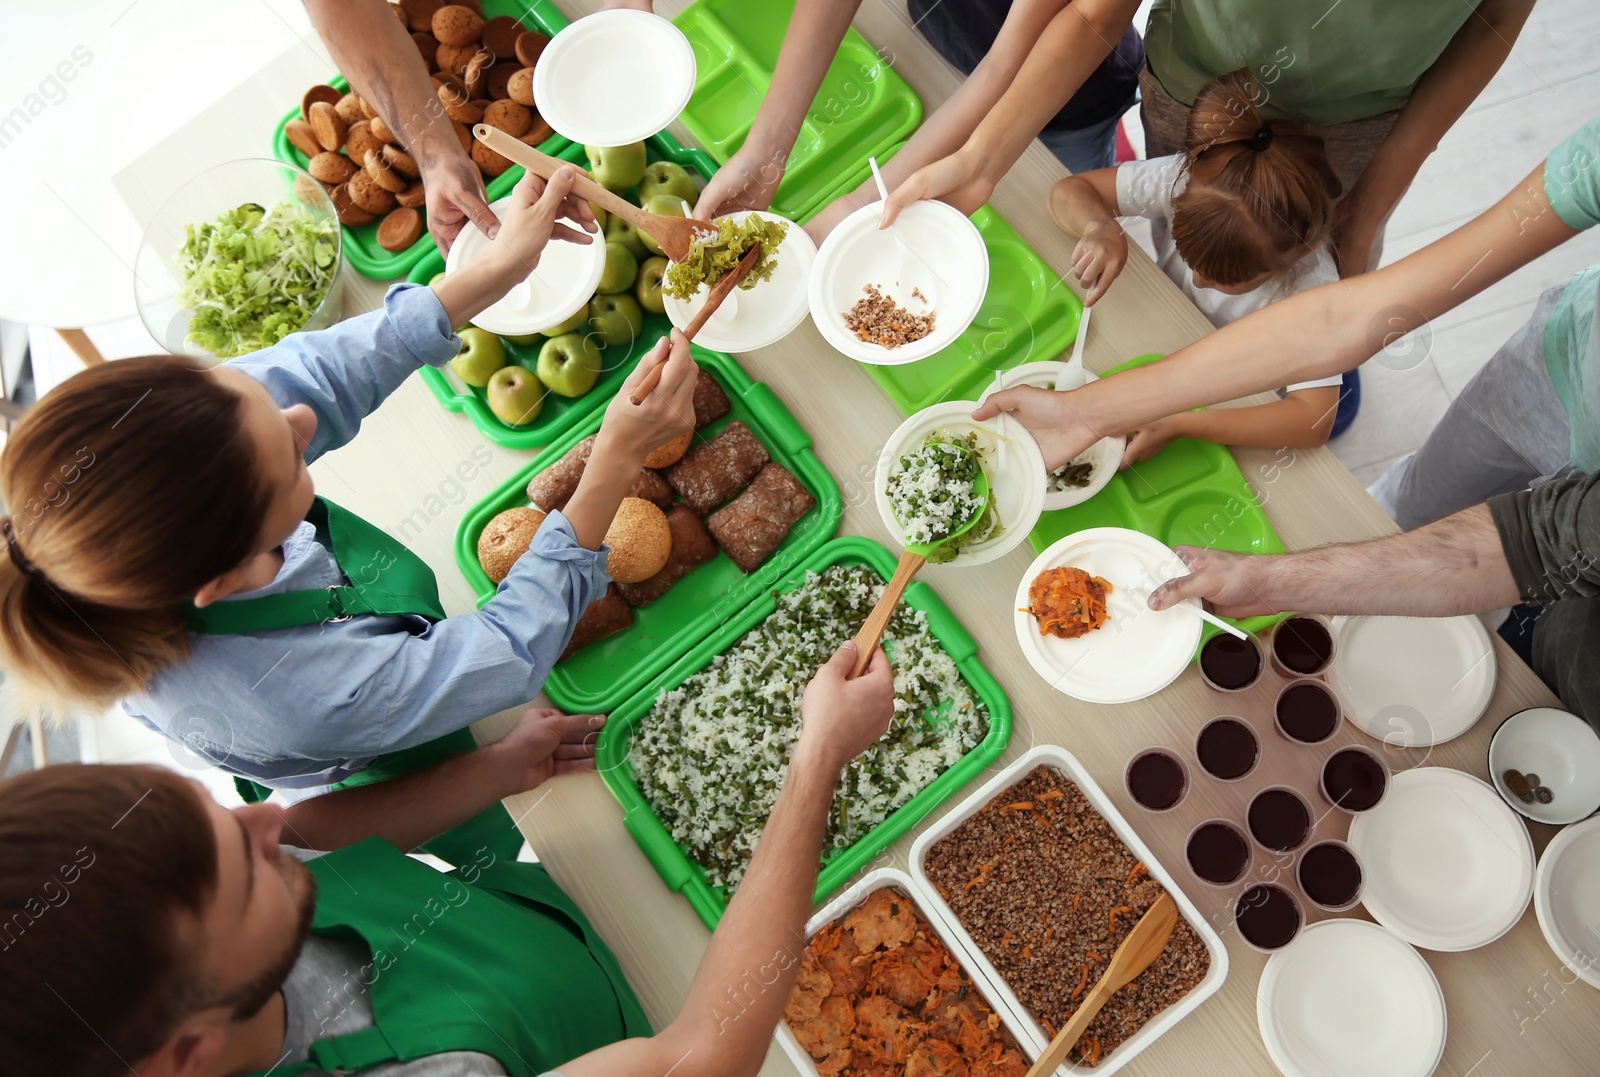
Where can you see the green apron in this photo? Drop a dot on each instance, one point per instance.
(491, 957)
(385, 579)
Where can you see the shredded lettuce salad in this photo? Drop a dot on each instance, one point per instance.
(711, 257)
(253, 276)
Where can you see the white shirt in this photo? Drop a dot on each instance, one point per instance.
(1147, 188)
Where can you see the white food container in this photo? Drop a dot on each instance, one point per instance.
(1034, 1038)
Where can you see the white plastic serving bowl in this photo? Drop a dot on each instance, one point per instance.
(1105, 454)
(1562, 750)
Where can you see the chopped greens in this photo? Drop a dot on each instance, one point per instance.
(253, 276)
(711, 754)
(932, 493)
(711, 257)
(1072, 475)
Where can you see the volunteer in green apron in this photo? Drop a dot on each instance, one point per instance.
(196, 945)
(166, 548)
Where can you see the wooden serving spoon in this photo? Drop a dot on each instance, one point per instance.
(912, 559)
(674, 234)
(719, 291)
(1142, 946)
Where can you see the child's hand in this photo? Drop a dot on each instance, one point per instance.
(1098, 258)
(533, 217)
(1150, 439)
(666, 413)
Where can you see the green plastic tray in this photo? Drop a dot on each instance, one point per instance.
(605, 673)
(559, 412)
(361, 248)
(1028, 316)
(862, 107)
(1191, 493)
(671, 862)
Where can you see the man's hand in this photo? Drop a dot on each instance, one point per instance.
(748, 180)
(455, 196)
(1098, 259)
(1051, 417)
(533, 218)
(956, 180)
(668, 410)
(843, 717)
(545, 743)
(1232, 584)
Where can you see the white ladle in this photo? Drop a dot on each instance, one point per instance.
(1072, 376)
(922, 284)
(1127, 567)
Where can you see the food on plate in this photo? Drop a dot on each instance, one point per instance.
(640, 541)
(569, 364)
(505, 538)
(670, 453)
(752, 525)
(1068, 602)
(606, 616)
(621, 270)
(710, 754)
(252, 276)
(515, 395)
(715, 470)
(665, 177)
(1072, 475)
(877, 319)
(617, 320)
(1048, 891)
(933, 493)
(691, 547)
(480, 356)
(710, 256)
(710, 402)
(652, 272)
(399, 229)
(879, 992)
(616, 167)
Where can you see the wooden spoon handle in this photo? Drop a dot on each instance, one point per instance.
(542, 164)
(725, 284)
(878, 620)
(1059, 1047)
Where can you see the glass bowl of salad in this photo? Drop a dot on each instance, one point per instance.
(238, 258)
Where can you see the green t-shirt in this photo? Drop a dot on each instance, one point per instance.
(1571, 344)
(1320, 64)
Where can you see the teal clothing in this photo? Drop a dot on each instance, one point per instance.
(1571, 344)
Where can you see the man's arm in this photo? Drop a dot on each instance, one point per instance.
(1443, 93)
(376, 53)
(762, 934)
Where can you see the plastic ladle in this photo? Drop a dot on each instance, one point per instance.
(915, 555)
(910, 278)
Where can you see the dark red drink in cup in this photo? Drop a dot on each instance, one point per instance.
(1218, 852)
(1279, 819)
(1307, 711)
(1227, 749)
(1157, 779)
(1268, 916)
(1231, 664)
(1355, 779)
(1302, 645)
(1330, 876)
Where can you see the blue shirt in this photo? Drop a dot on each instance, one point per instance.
(304, 707)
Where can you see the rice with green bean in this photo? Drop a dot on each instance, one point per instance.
(711, 754)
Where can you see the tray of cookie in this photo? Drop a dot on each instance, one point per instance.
(710, 521)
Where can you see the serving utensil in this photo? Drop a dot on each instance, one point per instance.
(1128, 568)
(719, 291)
(927, 293)
(675, 235)
(912, 558)
(1138, 951)
(1071, 376)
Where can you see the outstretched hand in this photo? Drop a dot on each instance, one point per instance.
(533, 217)
(955, 180)
(455, 194)
(844, 716)
(1230, 583)
(1051, 417)
(546, 742)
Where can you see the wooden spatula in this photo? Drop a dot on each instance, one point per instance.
(719, 291)
(674, 234)
(1142, 946)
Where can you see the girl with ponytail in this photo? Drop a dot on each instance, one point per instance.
(1240, 219)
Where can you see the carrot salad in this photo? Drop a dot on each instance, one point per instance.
(1068, 602)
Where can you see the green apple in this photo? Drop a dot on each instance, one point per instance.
(436, 278)
(616, 167)
(480, 356)
(600, 217)
(664, 177)
(662, 205)
(616, 319)
(579, 319)
(649, 287)
(515, 395)
(569, 364)
(521, 340)
(622, 269)
(621, 231)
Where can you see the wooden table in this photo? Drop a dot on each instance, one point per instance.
(416, 468)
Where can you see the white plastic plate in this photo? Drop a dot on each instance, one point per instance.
(1566, 896)
(946, 251)
(1016, 490)
(1138, 651)
(1413, 681)
(1449, 865)
(562, 282)
(1105, 454)
(1348, 999)
(764, 314)
(614, 77)
(1064, 761)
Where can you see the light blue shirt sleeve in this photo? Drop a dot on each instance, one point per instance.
(344, 372)
(1572, 177)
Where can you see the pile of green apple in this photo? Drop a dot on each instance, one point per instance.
(569, 359)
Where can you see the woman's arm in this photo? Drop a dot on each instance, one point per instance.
(1302, 421)
(1086, 206)
(1443, 93)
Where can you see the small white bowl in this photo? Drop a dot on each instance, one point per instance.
(1562, 750)
(764, 314)
(1105, 454)
(562, 282)
(946, 249)
(1017, 492)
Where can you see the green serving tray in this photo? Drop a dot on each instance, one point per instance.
(1028, 316)
(361, 242)
(1191, 493)
(603, 674)
(559, 412)
(862, 108)
(671, 862)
